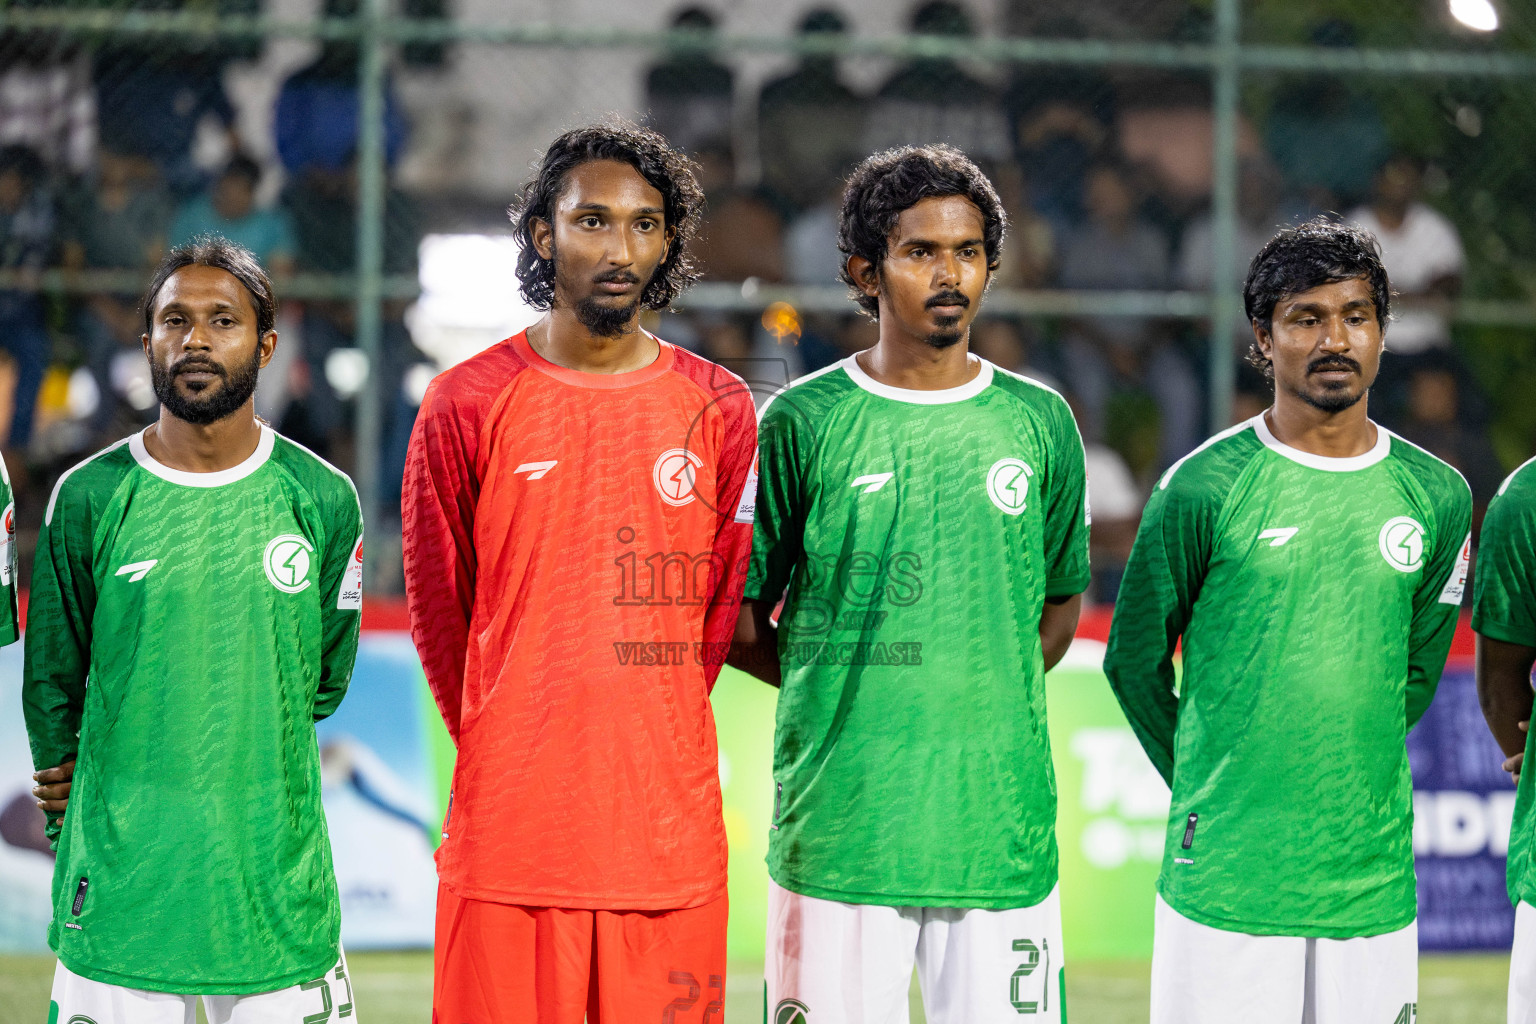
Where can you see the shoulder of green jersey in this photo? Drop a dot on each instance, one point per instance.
(798, 382)
(304, 453)
(1526, 470)
(1427, 460)
(5, 474)
(1001, 374)
(58, 488)
(1208, 445)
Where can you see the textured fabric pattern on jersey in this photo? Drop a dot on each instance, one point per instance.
(919, 534)
(494, 963)
(574, 552)
(216, 617)
(1316, 599)
(1504, 608)
(10, 582)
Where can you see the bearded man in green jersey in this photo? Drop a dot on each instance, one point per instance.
(194, 610)
(927, 512)
(1504, 617)
(1313, 564)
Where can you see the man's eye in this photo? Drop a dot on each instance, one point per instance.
(645, 225)
(589, 222)
(968, 253)
(919, 254)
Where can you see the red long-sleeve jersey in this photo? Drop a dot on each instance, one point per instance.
(575, 548)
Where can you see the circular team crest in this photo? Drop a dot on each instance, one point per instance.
(674, 474)
(286, 562)
(1402, 544)
(1008, 484)
(791, 1011)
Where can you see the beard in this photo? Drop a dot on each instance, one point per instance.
(214, 402)
(945, 336)
(947, 328)
(605, 321)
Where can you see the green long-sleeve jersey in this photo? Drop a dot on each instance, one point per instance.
(1316, 599)
(184, 633)
(1504, 608)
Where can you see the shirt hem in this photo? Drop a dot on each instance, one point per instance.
(584, 901)
(971, 901)
(1287, 928)
(196, 988)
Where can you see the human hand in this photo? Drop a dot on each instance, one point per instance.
(1512, 764)
(52, 789)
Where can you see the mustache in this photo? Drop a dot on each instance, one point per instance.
(947, 299)
(1324, 363)
(616, 277)
(194, 364)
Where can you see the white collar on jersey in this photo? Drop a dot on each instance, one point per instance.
(1325, 462)
(257, 459)
(970, 389)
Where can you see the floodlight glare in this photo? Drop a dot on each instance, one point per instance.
(1475, 14)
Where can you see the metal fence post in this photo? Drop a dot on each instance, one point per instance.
(1225, 76)
(371, 187)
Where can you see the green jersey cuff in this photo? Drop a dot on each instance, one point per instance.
(1067, 586)
(1505, 632)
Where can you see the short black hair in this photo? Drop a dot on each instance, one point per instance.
(220, 253)
(887, 183)
(1318, 252)
(668, 170)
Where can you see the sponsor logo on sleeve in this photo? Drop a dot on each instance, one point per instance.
(746, 508)
(8, 570)
(1456, 583)
(351, 595)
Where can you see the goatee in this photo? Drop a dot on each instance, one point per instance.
(605, 321)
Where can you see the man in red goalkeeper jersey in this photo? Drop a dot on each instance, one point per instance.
(578, 508)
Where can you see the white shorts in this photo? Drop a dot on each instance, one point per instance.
(1205, 975)
(326, 1000)
(851, 963)
(1522, 967)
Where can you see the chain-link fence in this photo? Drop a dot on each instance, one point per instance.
(1144, 148)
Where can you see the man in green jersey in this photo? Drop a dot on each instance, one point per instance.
(927, 512)
(194, 610)
(1504, 616)
(1313, 564)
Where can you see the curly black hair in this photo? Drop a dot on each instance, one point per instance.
(667, 169)
(220, 253)
(1318, 252)
(887, 183)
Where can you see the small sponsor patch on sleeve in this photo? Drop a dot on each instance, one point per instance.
(8, 569)
(1456, 585)
(746, 508)
(350, 597)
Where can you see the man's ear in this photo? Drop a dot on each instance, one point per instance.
(542, 233)
(144, 342)
(265, 346)
(1264, 339)
(866, 276)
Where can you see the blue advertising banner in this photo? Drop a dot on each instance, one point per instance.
(1462, 804)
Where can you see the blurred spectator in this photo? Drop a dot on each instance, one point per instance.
(811, 255)
(1423, 256)
(116, 222)
(1059, 117)
(932, 100)
(1028, 258)
(315, 122)
(1437, 422)
(1325, 133)
(47, 102)
(1002, 342)
(1114, 505)
(26, 245)
(809, 123)
(742, 235)
(1117, 249)
(229, 209)
(1168, 129)
(152, 97)
(1261, 210)
(689, 94)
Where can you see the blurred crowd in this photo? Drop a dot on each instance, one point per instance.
(1106, 174)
